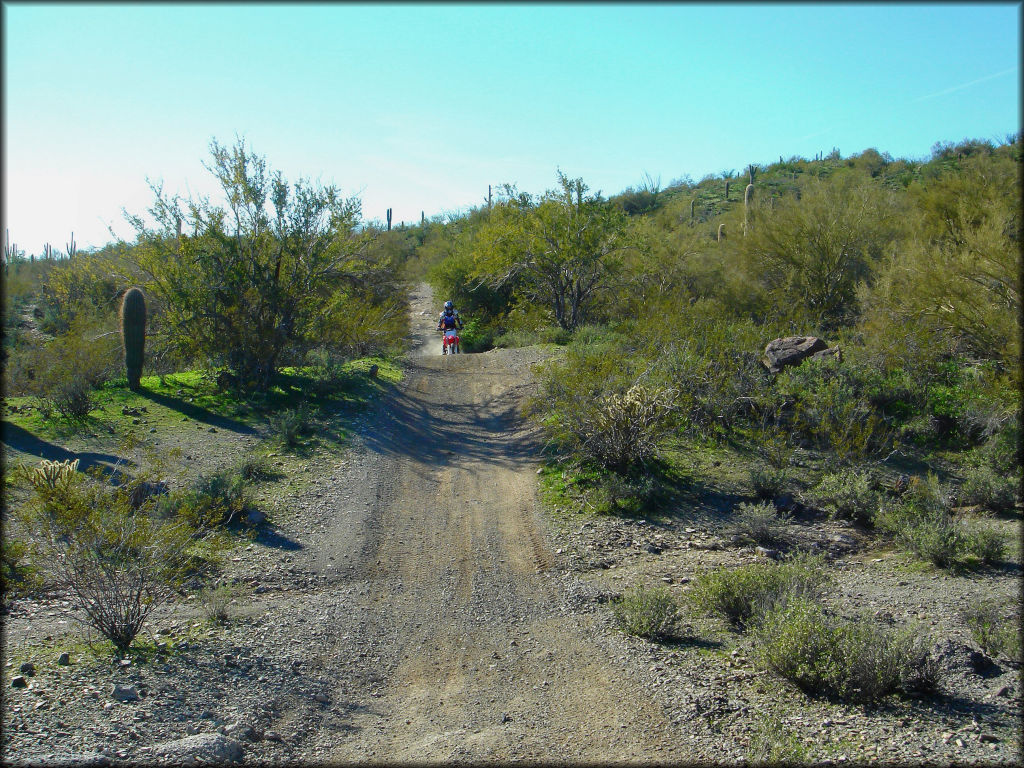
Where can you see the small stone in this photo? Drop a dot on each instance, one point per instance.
(988, 737)
(212, 429)
(28, 668)
(125, 693)
(1004, 691)
(272, 736)
(506, 718)
(64, 659)
(322, 698)
(18, 681)
(771, 554)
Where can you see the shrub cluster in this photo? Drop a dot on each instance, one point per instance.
(649, 613)
(846, 495)
(922, 521)
(851, 660)
(995, 626)
(759, 523)
(743, 595)
(119, 560)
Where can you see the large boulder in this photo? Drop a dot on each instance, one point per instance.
(791, 350)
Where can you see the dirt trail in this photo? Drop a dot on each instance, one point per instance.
(471, 652)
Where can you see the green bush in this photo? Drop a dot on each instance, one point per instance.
(922, 521)
(859, 661)
(648, 613)
(257, 469)
(768, 482)
(289, 425)
(995, 627)
(742, 595)
(774, 744)
(215, 602)
(18, 574)
(846, 494)
(117, 560)
(759, 523)
(983, 485)
(979, 540)
(474, 337)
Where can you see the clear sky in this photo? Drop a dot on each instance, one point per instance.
(418, 107)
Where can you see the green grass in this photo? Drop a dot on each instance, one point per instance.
(193, 394)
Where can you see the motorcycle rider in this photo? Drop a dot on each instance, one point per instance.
(448, 320)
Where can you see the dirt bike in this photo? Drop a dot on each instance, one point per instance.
(450, 342)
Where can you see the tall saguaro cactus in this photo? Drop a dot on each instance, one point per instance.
(389, 219)
(133, 334)
(748, 197)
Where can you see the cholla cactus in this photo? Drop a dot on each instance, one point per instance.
(624, 428)
(50, 474)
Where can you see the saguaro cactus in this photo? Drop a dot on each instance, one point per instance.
(727, 191)
(71, 248)
(389, 219)
(692, 203)
(133, 334)
(748, 197)
(721, 232)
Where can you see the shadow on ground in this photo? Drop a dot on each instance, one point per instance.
(19, 439)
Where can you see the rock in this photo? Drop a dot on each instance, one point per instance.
(373, 371)
(832, 353)
(28, 668)
(771, 554)
(791, 350)
(272, 736)
(64, 659)
(202, 747)
(125, 693)
(18, 681)
(240, 730)
(322, 698)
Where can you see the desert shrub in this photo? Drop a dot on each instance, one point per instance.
(222, 495)
(767, 481)
(474, 337)
(18, 574)
(759, 523)
(831, 410)
(648, 613)
(215, 602)
(983, 485)
(257, 469)
(774, 744)
(742, 595)
(979, 540)
(288, 425)
(851, 660)
(63, 373)
(922, 521)
(995, 627)
(119, 563)
(846, 494)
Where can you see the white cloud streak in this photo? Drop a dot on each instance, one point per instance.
(964, 85)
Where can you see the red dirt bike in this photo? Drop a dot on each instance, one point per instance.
(449, 342)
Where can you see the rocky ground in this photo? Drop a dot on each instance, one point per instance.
(412, 602)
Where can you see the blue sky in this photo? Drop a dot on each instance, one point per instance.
(418, 107)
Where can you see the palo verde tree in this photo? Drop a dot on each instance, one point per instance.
(245, 284)
(559, 250)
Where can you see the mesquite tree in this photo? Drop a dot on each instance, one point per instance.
(247, 283)
(560, 250)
